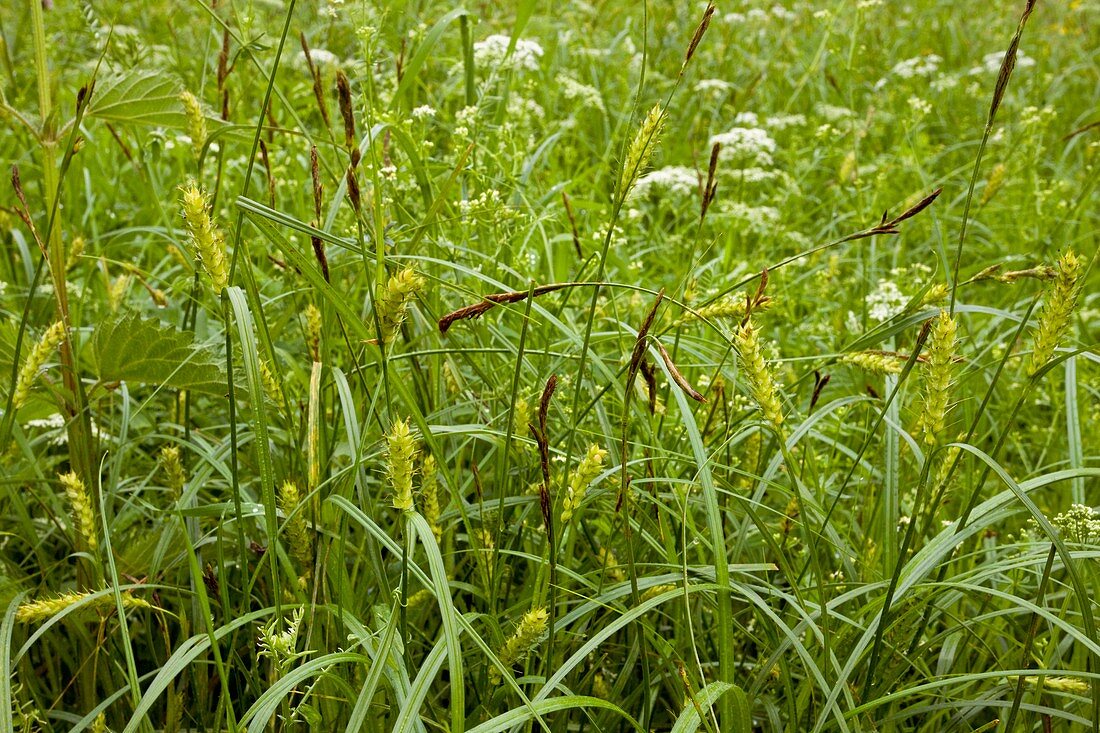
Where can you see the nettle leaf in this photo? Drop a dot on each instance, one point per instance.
(133, 349)
(142, 98)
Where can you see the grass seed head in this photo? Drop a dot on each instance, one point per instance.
(207, 243)
(401, 459)
(81, 507)
(528, 633)
(758, 375)
(937, 378)
(393, 301)
(34, 362)
(196, 122)
(1058, 305)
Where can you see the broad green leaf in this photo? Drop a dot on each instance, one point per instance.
(139, 97)
(135, 349)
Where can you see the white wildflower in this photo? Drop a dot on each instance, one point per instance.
(745, 144)
(583, 94)
(716, 86)
(782, 122)
(423, 112)
(676, 179)
(885, 301)
(493, 51)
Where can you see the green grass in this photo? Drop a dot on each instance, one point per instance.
(634, 507)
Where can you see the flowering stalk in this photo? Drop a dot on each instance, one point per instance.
(207, 242)
(584, 474)
(400, 461)
(937, 380)
(393, 302)
(36, 359)
(641, 150)
(528, 633)
(81, 506)
(196, 122)
(429, 490)
(301, 551)
(1057, 309)
(170, 462)
(31, 612)
(760, 380)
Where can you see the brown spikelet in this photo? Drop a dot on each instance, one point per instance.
(1009, 63)
(697, 37)
(315, 176)
(270, 174)
(353, 189)
(572, 224)
(540, 435)
(819, 385)
(318, 85)
(710, 189)
(677, 377)
(493, 300)
(343, 92)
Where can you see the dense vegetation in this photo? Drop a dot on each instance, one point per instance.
(588, 367)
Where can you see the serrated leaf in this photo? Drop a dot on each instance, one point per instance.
(141, 98)
(133, 349)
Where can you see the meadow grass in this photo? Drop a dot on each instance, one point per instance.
(497, 367)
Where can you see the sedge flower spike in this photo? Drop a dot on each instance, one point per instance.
(937, 379)
(393, 302)
(297, 534)
(528, 633)
(1054, 320)
(583, 475)
(402, 450)
(207, 242)
(641, 150)
(81, 506)
(36, 359)
(760, 380)
(196, 122)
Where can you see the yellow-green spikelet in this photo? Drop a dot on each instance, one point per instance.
(761, 383)
(30, 612)
(297, 534)
(526, 637)
(937, 380)
(400, 462)
(80, 504)
(393, 301)
(207, 243)
(34, 362)
(429, 490)
(1058, 305)
(584, 474)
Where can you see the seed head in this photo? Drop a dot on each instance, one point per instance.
(641, 150)
(36, 359)
(313, 331)
(402, 448)
(429, 490)
(759, 377)
(393, 301)
(583, 475)
(937, 377)
(196, 122)
(297, 533)
(1054, 320)
(31, 612)
(173, 468)
(81, 506)
(528, 633)
(207, 243)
